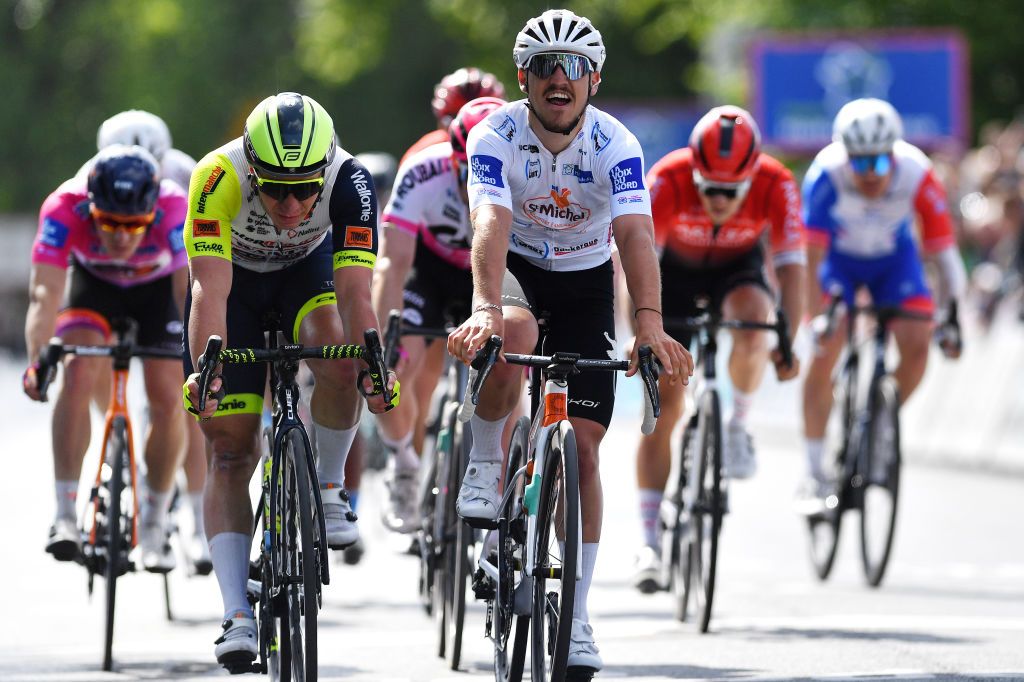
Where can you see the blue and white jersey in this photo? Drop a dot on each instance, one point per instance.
(841, 218)
(562, 204)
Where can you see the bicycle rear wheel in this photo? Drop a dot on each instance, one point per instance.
(708, 509)
(301, 559)
(508, 664)
(881, 481)
(444, 525)
(119, 521)
(557, 552)
(460, 556)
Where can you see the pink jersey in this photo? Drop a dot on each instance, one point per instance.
(66, 231)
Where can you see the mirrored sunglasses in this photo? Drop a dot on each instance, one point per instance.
(729, 190)
(110, 223)
(278, 190)
(879, 164)
(575, 66)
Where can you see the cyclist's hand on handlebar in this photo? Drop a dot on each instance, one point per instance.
(213, 397)
(30, 382)
(375, 402)
(471, 335)
(947, 336)
(676, 361)
(783, 371)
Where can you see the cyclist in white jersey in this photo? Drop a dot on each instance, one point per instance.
(551, 180)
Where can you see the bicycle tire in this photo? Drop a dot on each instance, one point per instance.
(462, 550)
(508, 665)
(708, 511)
(881, 481)
(425, 533)
(678, 540)
(303, 595)
(445, 519)
(118, 529)
(551, 616)
(823, 528)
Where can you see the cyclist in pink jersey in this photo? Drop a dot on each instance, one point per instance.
(119, 230)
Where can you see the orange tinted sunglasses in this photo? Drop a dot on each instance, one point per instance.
(111, 222)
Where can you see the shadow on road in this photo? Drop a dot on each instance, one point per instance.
(840, 634)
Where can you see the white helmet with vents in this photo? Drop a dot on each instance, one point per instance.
(559, 30)
(136, 127)
(867, 126)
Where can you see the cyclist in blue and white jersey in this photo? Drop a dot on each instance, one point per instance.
(551, 180)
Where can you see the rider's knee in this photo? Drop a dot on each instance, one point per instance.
(589, 459)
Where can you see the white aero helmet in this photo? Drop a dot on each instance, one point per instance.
(867, 126)
(135, 127)
(559, 30)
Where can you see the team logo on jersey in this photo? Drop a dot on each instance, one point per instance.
(507, 129)
(211, 184)
(627, 175)
(176, 239)
(566, 250)
(54, 234)
(205, 228)
(358, 237)
(486, 170)
(540, 250)
(599, 139)
(364, 188)
(557, 211)
(532, 169)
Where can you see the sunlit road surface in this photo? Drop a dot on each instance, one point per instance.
(951, 607)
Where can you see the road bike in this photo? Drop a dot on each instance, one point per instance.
(864, 444)
(444, 541)
(286, 579)
(697, 500)
(531, 576)
(109, 524)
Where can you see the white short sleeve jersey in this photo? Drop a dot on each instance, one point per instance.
(562, 205)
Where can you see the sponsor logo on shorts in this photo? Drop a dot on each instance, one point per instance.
(205, 228)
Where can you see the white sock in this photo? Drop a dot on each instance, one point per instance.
(332, 446)
(195, 503)
(579, 607)
(230, 555)
(155, 509)
(486, 439)
(405, 455)
(740, 406)
(650, 509)
(815, 451)
(67, 499)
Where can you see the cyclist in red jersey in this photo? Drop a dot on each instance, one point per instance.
(713, 203)
(454, 91)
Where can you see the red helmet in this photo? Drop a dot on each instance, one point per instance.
(726, 145)
(469, 116)
(455, 89)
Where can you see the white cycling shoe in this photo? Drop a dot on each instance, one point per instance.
(339, 518)
(65, 540)
(647, 570)
(238, 646)
(583, 652)
(155, 552)
(478, 499)
(738, 452)
(400, 510)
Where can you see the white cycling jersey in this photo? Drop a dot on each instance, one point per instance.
(426, 201)
(562, 204)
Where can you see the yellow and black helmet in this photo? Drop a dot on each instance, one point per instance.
(289, 135)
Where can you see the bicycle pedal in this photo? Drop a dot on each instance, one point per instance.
(577, 673)
(239, 663)
(483, 587)
(480, 524)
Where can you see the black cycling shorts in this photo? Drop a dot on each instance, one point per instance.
(291, 293)
(682, 284)
(436, 292)
(92, 302)
(579, 308)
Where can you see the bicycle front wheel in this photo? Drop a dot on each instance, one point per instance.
(708, 507)
(119, 522)
(881, 481)
(557, 551)
(301, 555)
(676, 538)
(460, 555)
(508, 664)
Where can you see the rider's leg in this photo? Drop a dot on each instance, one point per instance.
(654, 459)
(817, 397)
(165, 440)
(912, 338)
(749, 354)
(588, 439)
(432, 365)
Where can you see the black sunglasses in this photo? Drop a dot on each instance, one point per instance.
(279, 190)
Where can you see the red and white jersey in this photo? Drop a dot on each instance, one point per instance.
(426, 201)
(682, 226)
(562, 204)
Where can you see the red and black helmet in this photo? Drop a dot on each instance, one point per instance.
(467, 117)
(457, 88)
(726, 145)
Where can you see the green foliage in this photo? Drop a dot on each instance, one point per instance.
(66, 65)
